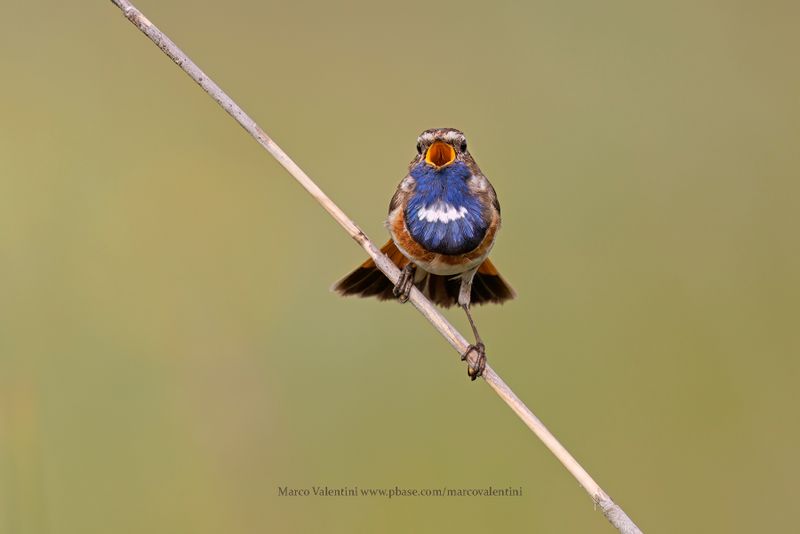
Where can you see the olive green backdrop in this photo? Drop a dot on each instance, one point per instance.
(170, 353)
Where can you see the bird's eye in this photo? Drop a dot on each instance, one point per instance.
(463, 146)
(419, 147)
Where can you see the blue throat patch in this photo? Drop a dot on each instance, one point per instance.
(442, 214)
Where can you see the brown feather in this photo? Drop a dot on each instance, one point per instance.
(487, 267)
(368, 281)
(492, 286)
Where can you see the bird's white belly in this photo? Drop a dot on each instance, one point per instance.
(443, 268)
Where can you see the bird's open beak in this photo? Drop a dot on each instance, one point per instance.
(440, 154)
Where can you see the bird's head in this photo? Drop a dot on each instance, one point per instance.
(440, 147)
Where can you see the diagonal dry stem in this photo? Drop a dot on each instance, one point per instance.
(611, 510)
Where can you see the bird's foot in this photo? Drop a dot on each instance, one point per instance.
(402, 289)
(480, 364)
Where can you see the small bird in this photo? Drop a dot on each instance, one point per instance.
(443, 219)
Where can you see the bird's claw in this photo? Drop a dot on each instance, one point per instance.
(402, 289)
(480, 364)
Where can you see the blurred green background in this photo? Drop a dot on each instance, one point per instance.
(170, 353)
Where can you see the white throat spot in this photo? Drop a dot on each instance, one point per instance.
(441, 212)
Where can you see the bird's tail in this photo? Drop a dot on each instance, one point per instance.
(368, 281)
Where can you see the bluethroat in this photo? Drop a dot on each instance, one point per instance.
(443, 219)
